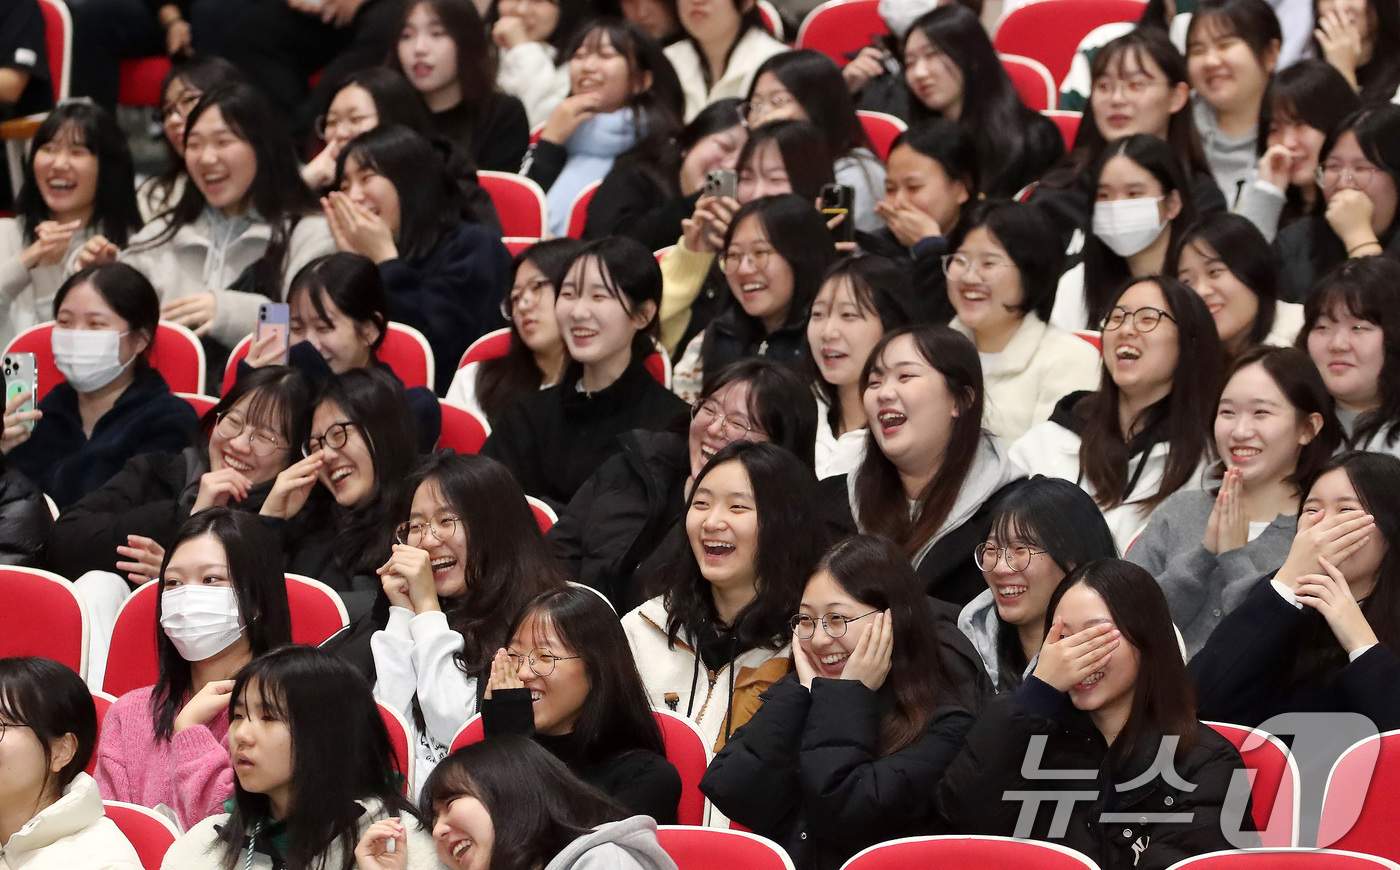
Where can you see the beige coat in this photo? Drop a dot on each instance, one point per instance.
(74, 832)
(753, 49)
(26, 295)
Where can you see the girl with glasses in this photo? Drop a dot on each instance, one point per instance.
(1357, 214)
(1040, 532)
(51, 812)
(723, 44)
(181, 90)
(625, 521)
(222, 603)
(848, 750)
(1273, 428)
(567, 679)
(536, 356)
(1002, 276)
(462, 565)
(775, 253)
(1143, 434)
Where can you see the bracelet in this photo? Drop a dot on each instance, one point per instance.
(1356, 248)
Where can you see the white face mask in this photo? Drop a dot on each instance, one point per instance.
(1128, 226)
(202, 621)
(89, 358)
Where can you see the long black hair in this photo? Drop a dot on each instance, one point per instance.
(1240, 247)
(281, 402)
(779, 403)
(476, 55)
(430, 202)
(353, 284)
(340, 755)
(255, 568)
(1308, 91)
(199, 73)
(806, 159)
(815, 82)
(114, 210)
(791, 539)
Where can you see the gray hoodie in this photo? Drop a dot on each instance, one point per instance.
(630, 844)
(1232, 161)
(978, 620)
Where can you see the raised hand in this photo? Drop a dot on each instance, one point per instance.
(867, 65)
(292, 487)
(357, 229)
(907, 223)
(96, 250)
(410, 571)
(1333, 538)
(803, 661)
(51, 243)
(384, 846)
(217, 488)
(1349, 214)
(1340, 40)
(504, 674)
(196, 311)
(16, 431)
(870, 661)
(1330, 594)
(1275, 166)
(1067, 661)
(144, 557)
(205, 705)
(568, 115)
(509, 32)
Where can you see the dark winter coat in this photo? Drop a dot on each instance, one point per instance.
(25, 520)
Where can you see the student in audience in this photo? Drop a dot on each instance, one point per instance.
(1319, 635)
(531, 41)
(1274, 427)
(508, 802)
(1001, 282)
(1040, 532)
(621, 524)
(720, 51)
(848, 750)
(25, 520)
(1349, 330)
(1359, 176)
(606, 310)
(567, 679)
(931, 477)
(1226, 260)
(51, 814)
(1363, 42)
(1108, 693)
(78, 183)
(776, 252)
(112, 405)
(861, 298)
(240, 232)
(623, 111)
(451, 598)
(223, 602)
(632, 203)
(806, 85)
(536, 357)
(398, 206)
(1142, 207)
(952, 72)
(930, 179)
(181, 90)
(1145, 433)
(444, 51)
(1302, 105)
(778, 157)
(315, 772)
(1232, 48)
(361, 451)
(657, 17)
(755, 535)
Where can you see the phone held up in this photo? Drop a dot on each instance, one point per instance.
(22, 376)
(275, 318)
(838, 199)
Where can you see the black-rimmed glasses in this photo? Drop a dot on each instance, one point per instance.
(834, 624)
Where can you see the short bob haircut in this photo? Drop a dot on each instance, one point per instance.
(1293, 371)
(630, 275)
(281, 398)
(255, 567)
(430, 202)
(505, 380)
(1367, 288)
(340, 754)
(944, 141)
(353, 284)
(1059, 517)
(1253, 22)
(814, 80)
(1104, 270)
(791, 539)
(127, 292)
(880, 501)
(779, 404)
(805, 156)
(1238, 245)
(616, 717)
(1031, 241)
(536, 804)
(1164, 695)
(878, 574)
(1377, 131)
(114, 210)
(52, 701)
(1185, 415)
(799, 236)
(507, 564)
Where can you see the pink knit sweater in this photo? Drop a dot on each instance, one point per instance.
(133, 766)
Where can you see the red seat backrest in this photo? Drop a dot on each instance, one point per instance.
(398, 738)
(983, 853)
(1276, 782)
(840, 27)
(881, 129)
(1370, 795)
(694, 848)
(461, 429)
(578, 211)
(149, 833)
(492, 345)
(519, 203)
(1050, 30)
(42, 616)
(1031, 80)
(102, 702)
(58, 43)
(178, 360)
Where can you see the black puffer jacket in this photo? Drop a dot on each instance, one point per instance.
(25, 520)
(806, 771)
(622, 513)
(971, 801)
(732, 336)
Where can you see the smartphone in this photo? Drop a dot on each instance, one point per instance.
(275, 317)
(838, 199)
(721, 182)
(22, 376)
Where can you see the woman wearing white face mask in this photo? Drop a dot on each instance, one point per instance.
(223, 601)
(113, 405)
